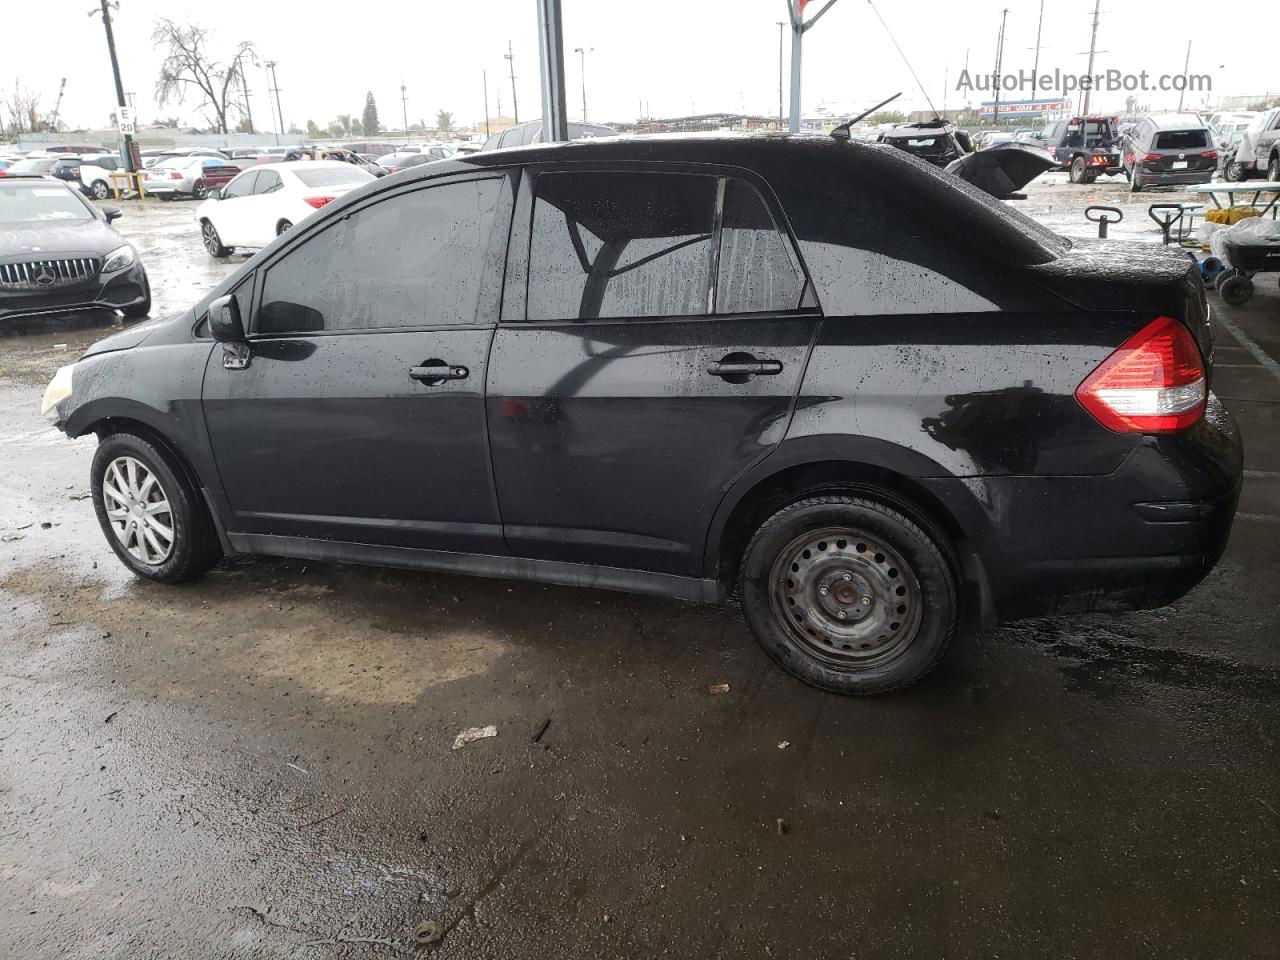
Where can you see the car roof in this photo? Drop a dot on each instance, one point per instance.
(34, 180)
(1177, 121)
(305, 165)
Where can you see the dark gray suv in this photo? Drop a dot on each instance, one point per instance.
(1172, 150)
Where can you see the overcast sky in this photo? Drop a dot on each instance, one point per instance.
(674, 56)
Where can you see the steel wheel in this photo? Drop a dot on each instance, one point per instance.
(847, 598)
(138, 510)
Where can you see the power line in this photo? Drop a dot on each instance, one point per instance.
(903, 56)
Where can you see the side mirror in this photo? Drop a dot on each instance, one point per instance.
(111, 212)
(224, 320)
(215, 193)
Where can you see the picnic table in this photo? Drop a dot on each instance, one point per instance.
(1231, 191)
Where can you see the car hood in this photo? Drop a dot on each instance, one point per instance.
(126, 339)
(1004, 169)
(58, 238)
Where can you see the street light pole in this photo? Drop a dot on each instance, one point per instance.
(1185, 67)
(781, 24)
(582, 70)
(555, 121)
(404, 107)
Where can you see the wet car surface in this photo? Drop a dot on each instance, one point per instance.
(260, 764)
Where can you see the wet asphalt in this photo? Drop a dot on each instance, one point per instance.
(260, 764)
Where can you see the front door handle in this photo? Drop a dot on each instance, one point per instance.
(741, 367)
(435, 371)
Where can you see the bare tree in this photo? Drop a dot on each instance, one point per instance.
(23, 108)
(189, 67)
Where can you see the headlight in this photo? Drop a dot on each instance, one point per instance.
(58, 390)
(118, 259)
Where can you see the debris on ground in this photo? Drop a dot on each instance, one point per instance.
(427, 932)
(542, 728)
(782, 827)
(783, 744)
(111, 716)
(472, 734)
(718, 688)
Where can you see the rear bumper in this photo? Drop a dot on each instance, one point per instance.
(1157, 178)
(1138, 538)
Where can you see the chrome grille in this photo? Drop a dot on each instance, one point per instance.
(47, 274)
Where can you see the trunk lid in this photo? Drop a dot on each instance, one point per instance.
(1113, 275)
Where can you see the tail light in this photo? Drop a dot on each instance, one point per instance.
(1210, 154)
(175, 175)
(1151, 158)
(319, 202)
(1153, 383)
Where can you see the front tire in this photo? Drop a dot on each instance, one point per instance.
(1273, 170)
(151, 514)
(213, 242)
(141, 309)
(1135, 181)
(1233, 172)
(849, 595)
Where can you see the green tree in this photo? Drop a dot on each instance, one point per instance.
(344, 122)
(357, 128)
(313, 131)
(369, 119)
(887, 116)
(444, 122)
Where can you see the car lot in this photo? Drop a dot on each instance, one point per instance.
(260, 764)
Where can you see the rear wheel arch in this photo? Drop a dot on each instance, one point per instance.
(738, 520)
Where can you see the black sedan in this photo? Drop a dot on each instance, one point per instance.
(59, 253)
(870, 401)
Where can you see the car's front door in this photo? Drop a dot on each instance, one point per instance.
(360, 415)
(228, 214)
(655, 331)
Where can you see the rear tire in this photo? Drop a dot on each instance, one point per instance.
(1236, 290)
(1233, 172)
(134, 511)
(284, 226)
(1135, 182)
(849, 595)
(1077, 170)
(200, 191)
(1273, 170)
(99, 190)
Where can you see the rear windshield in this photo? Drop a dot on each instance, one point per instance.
(25, 203)
(331, 176)
(1093, 134)
(1182, 139)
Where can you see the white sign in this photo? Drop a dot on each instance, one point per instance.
(126, 118)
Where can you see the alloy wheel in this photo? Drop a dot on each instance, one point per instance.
(100, 190)
(212, 242)
(847, 598)
(138, 510)
(200, 191)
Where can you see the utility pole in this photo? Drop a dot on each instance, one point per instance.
(1093, 46)
(248, 107)
(781, 24)
(510, 57)
(1035, 66)
(404, 107)
(1004, 17)
(1185, 67)
(582, 69)
(115, 70)
(275, 88)
(795, 10)
(484, 79)
(270, 106)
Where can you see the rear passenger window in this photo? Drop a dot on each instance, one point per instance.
(414, 260)
(756, 272)
(616, 245)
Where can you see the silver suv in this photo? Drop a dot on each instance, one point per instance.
(1258, 150)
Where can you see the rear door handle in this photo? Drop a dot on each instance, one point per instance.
(740, 367)
(435, 371)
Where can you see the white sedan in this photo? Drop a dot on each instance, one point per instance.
(266, 200)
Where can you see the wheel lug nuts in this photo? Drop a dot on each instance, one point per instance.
(866, 601)
(841, 614)
(848, 577)
(823, 590)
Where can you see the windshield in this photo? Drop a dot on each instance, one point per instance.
(25, 203)
(331, 176)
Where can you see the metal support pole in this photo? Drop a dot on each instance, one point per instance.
(781, 24)
(555, 125)
(484, 79)
(797, 37)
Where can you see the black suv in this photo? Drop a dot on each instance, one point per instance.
(59, 253)
(869, 400)
(1083, 146)
(1169, 150)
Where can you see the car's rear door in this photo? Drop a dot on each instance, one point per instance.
(360, 415)
(655, 330)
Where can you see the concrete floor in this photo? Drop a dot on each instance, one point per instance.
(259, 764)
